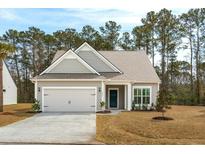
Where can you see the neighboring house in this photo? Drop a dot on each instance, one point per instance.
(9, 87)
(77, 81)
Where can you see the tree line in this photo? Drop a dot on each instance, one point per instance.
(161, 33)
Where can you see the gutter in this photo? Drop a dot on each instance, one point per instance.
(94, 80)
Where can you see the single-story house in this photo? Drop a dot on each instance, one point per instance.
(77, 81)
(9, 87)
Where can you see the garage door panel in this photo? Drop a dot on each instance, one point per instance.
(68, 109)
(69, 100)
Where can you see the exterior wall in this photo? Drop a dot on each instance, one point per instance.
(67, 84)
(10, 93)
(154, 90)
(70, 66)
(123, 90)
(94, 61)
(121, 94)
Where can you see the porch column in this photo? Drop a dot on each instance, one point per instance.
(125, 97)
(102, 91)
(129, 96)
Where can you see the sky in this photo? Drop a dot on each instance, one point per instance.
(51, 19)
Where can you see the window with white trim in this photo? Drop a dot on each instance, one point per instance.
(142, 95)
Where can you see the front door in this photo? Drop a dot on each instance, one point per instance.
(113, 99)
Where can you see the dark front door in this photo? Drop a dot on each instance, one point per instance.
(113, 98)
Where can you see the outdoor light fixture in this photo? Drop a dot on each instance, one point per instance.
(99, 89)
(39, 89)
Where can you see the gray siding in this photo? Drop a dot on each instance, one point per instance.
(95, 61)
(67, 84)
(70, 66)
(154, 90)
(121, 94)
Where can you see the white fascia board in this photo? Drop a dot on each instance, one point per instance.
(99, 55)
(106, 81)
(74, 55)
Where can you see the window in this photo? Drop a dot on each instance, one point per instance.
(142, 95)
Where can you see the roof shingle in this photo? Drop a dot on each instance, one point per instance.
(135, 66)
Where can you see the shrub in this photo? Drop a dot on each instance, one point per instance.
(137, 107)
(133, 105)
(102, 104)
(144, 107)
(152, 107)
(36, 106)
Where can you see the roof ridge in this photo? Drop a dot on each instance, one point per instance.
(121, 51)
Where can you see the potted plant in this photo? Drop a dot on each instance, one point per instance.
(102, 105)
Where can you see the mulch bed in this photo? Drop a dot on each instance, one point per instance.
(104, 111)
(33, 111)
(6, 113)
(142, 110)
(162, 118)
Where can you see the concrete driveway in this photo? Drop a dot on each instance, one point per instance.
(51, 128)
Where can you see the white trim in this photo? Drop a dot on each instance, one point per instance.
(158, 86)
(99, 55)
(36, 90)
(125, 97)
(116, 83)
(102, 91)
(117, 97)
(76, 56)
(141, 87)
(43, 88)
(107, 81)
(129, 96)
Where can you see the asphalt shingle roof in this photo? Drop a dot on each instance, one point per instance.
(135, 66)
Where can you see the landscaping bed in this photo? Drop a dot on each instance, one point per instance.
(162, 118)
(104, 111)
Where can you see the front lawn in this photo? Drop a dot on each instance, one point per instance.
(188, 127)
(15, 112)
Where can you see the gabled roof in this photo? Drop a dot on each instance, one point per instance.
(98, 59)
(72, 55)
(134, 66)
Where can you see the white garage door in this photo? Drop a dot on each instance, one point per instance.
(72, 99)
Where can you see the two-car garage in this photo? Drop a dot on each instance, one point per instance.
(69, 99)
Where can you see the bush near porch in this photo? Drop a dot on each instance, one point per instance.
(138, 127)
